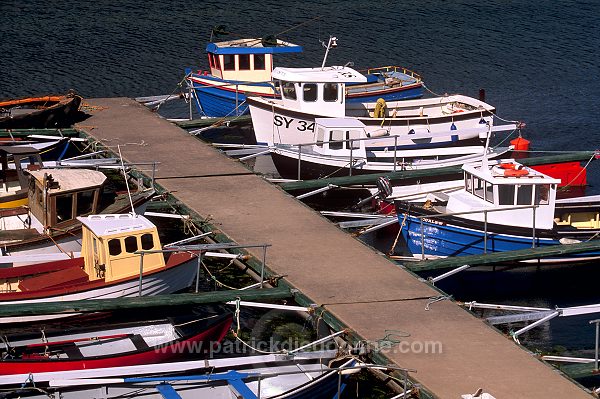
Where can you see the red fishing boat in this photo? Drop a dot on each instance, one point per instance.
(112, 345)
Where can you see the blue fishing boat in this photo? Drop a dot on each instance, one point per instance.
(241, 68)
(503, 206)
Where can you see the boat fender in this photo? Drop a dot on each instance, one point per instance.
(380, 106)
(511, 165)
(378, 133)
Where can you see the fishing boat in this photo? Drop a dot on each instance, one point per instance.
(109, 267)
(502, 206)
(55, 199)
(310, 93)
(342, 147)
(110, 345)
(308, 375)
(39, 112)
(242, 67)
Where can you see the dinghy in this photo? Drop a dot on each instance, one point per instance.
(39, 112)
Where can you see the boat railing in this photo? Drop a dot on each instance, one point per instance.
(398, 160)
(201, 249)
(393, 68)
(485, 223)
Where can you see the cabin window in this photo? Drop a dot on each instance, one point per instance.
(211, 64)
(131, 244)
(336, 138)
(39, 195)
(542, 194)
(259, 61)
(289, 90)
(478, 187)
(489, 192)
(320, 136)
(469, 183)
(229, 62)
(310, 92)
(216, 61)
(147, 241)
(353, 135)
(64, 207)
(506, 194)
(114, 247)
(524, 194)
(244, 62)
(85, 202)
(330, 92)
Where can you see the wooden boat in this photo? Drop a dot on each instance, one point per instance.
(502, 206)
(111, 345)
(56, 198)
(309, 375)
(341, 147)
(39, 112)
(241, 68)
(109, 266)
(310, 93)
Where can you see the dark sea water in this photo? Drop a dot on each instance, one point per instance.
(539, 62)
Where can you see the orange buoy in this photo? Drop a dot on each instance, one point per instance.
(520, 144)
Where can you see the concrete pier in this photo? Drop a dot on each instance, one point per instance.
(359, 286)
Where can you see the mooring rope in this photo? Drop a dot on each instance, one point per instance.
(236, 333)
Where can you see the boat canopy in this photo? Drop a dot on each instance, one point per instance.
(251, 46)
(332, 74)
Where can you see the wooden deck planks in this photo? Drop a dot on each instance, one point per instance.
(359, 286)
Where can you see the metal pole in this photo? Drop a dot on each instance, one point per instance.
(485, 232)
(350, 157)
(153, 173)
(422, 242)
(190, 94)
(596, 354)
(141, 272)
(262, 267)
(395, 151)
(200, 256)
(533, 232)
(237, 111)
(299, 159)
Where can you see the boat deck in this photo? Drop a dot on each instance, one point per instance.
(356, 284)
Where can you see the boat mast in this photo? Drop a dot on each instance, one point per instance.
(332, 44)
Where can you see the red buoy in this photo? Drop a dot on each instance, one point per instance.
(520, 144)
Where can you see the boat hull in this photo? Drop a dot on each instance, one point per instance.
(450, 236)
(46, 112)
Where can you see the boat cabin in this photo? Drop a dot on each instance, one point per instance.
(109, 243)
(14, 161)
(248, 60)
(332, 135)
(506, 184)
(58, 196)
(319, 91)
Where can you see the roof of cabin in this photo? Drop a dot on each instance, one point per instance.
(333, 74)
(493, 174)
(71, 179)
(109, 224)
(339, 123)
(251, 46)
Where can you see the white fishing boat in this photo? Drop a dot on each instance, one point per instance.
(342, 147)
(307, 375)
(310, 93)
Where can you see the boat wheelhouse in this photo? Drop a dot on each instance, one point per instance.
(502, 206)
(241, 68)
(14, 161)
(309, 93)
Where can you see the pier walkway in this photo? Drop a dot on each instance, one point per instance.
(359, 286)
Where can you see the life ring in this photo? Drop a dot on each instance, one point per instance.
(515, 172)
(380, 106)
